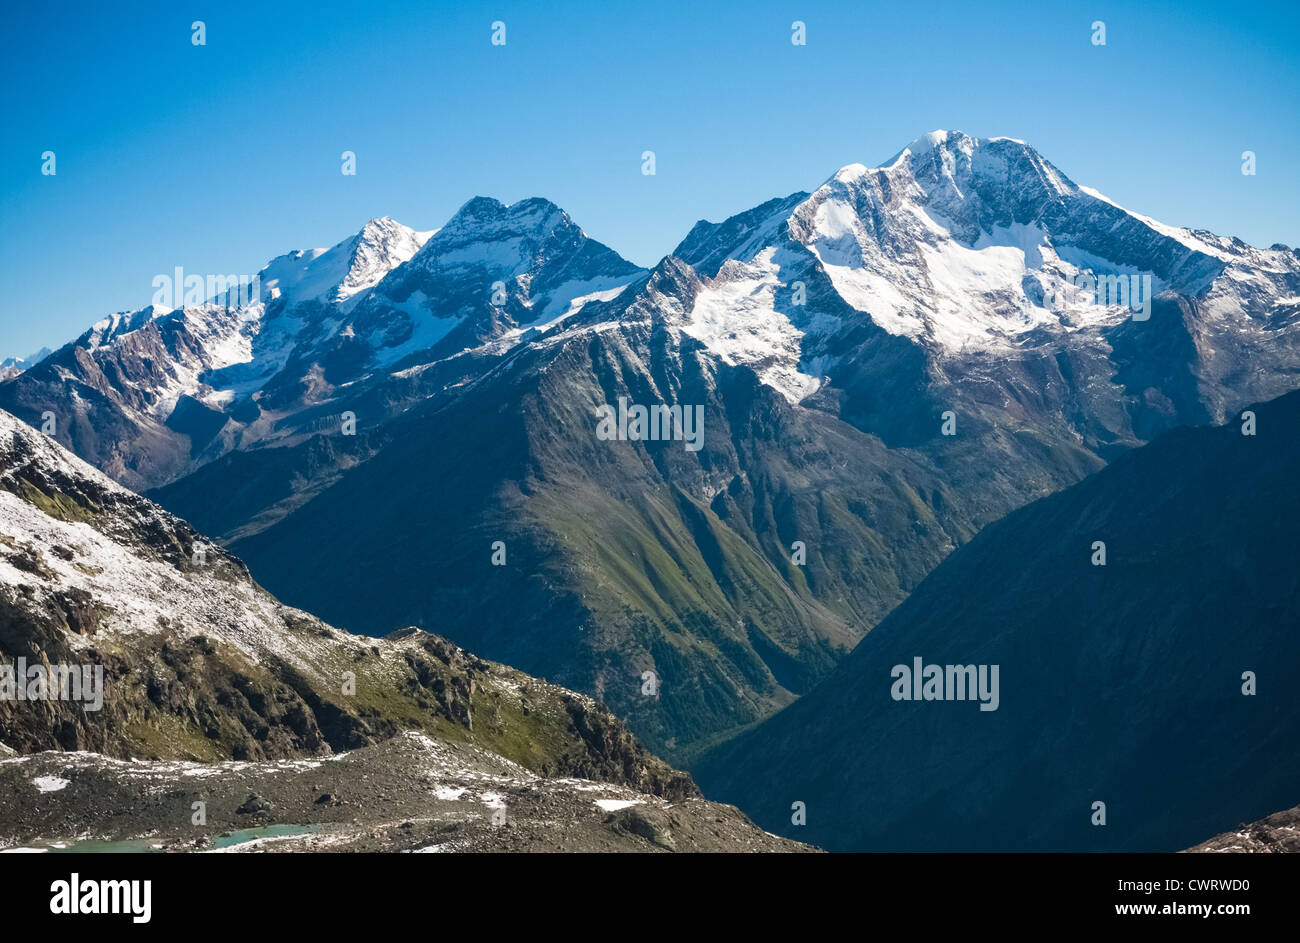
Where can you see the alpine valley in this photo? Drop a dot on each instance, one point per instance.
(402, 429)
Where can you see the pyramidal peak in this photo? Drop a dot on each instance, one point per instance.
(381, 246)
(341, 273)
(532, 239)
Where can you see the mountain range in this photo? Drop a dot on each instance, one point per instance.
(884, 368)
(12, 366)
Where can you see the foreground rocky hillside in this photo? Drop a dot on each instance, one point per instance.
(201, 664)
(409, 793)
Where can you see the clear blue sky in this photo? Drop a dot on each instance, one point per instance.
(218, 158)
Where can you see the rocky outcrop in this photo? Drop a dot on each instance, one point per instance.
(1277, 834)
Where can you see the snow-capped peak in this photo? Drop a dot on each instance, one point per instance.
(484, 219)
(341, 273)
(532, 247)
(959, 243)
(381, 246)
(941, 140)
(12, 366)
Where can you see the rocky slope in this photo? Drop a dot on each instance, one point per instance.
(409, 793)
(1279, 833)
(201, 664)
(229, 722)
(1157, 684)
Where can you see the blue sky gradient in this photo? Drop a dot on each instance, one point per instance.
(218, 158)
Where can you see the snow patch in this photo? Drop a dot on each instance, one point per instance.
(613, 805)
